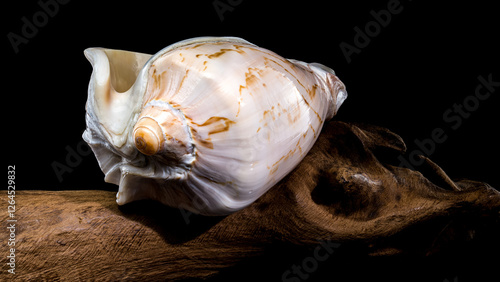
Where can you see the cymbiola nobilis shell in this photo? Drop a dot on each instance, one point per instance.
(207, 124)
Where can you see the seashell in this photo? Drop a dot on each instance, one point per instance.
(207, 124)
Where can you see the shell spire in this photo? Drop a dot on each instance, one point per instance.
(148, 136)
(161, 129)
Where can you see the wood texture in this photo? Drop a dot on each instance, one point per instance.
(347, 200)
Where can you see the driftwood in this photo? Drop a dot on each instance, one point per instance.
(346, 213)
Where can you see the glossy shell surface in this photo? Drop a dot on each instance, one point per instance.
(207, 124)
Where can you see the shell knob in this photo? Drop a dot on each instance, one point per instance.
(148, 136)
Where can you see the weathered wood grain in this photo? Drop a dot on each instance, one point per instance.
(347, 198)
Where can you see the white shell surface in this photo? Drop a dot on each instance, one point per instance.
(235, 119)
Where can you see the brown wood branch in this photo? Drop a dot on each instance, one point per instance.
(347, 192)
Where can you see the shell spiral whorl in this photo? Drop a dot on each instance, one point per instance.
(161, 129)
(148, 136)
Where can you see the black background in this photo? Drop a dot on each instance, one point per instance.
(427, 59)
(423, 62)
